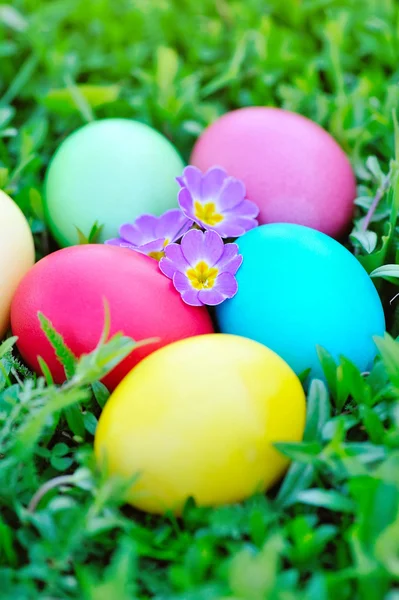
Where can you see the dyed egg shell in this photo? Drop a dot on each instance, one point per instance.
(292, 168)
(198, 418)
(69, 287)
(110, 171)
(298, 288)
(17, 254)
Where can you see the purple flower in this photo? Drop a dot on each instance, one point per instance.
(216, 201)
(149, 235)
(202, 267)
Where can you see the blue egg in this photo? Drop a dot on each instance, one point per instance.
(298, 288)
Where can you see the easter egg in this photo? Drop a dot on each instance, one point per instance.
(70, 286)
(17, 254)
(292, 168)
(199, 419)
(299, 288)
(110, 172)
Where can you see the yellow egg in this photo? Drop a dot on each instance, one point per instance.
(17, 254)
(198, 418)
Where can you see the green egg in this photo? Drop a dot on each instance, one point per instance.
(110, 171)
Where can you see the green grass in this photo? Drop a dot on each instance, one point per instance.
(331, 530)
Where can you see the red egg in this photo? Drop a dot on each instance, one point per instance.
(69, 287)
(292, 168)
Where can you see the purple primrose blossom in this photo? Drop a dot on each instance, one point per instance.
(202, 267)
(149, 235)
(216, 201)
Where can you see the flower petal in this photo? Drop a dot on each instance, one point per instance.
(213, 248)
(197, 245)
(130, 233)
(230, 251)
(114, 242)
(247, 209)
(232, 194)
(122, 244)
(233, 266)
(246, 223)
(167, 267)
(212, 183)
(234, 226)
(181, 225)
(226, 284)
(228, 229)
(191, 297)
(147, 225)
(134, 248)
(173, 261)
(153, 246)
(181, 282)
(192, 246)
(171, 223)
(185, 226)
(186, 203)
(192, 178)
(211, 297)
(174, 253)
(231, 261)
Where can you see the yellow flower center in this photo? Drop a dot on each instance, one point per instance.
(160, 253)
(202, 276)
(207, 213)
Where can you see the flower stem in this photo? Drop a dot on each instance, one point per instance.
(49, 485)
(377, 198)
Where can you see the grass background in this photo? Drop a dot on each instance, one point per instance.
(332, 529)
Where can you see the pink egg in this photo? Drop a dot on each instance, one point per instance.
(70, 287)
(292, 168)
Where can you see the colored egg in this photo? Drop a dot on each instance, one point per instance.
(198, 419)
(298, 288)
(292, 168)
(17, 254)
(109, 171)
(69, 287)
